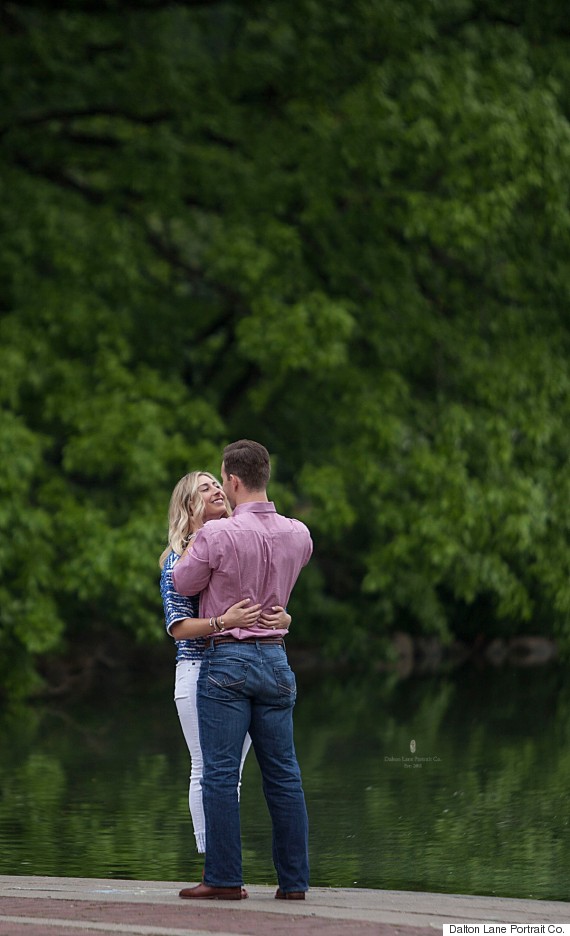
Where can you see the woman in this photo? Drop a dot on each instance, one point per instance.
(198, 498)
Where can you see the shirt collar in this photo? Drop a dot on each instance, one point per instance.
(255, 507)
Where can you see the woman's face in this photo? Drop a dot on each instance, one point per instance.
(213, 497)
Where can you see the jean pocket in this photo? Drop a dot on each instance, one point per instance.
(285, 679)
(227, 680)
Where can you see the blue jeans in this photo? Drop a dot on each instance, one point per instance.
(250, 687)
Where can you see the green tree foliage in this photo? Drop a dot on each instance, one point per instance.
(342, 229)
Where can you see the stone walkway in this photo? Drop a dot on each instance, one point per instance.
(50, 906)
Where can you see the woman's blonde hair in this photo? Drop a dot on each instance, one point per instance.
(186, 511)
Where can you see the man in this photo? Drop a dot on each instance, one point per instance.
(245, 682)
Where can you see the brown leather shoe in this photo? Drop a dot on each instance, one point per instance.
(244, 893)
(289, 895)
(205, 892)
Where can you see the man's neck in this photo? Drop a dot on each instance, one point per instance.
(251, 497)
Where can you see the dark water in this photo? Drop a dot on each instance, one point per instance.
(98, 788)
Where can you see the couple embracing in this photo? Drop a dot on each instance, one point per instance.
(234, 684)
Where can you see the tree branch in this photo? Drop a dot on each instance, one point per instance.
(91, 139)
(50, 174)
(87, 113)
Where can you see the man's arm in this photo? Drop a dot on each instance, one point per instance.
(192, 572)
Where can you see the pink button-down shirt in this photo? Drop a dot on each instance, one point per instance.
(255, 554)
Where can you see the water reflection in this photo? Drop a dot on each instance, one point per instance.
(480, 806)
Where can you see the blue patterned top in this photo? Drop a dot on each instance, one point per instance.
(176, 608)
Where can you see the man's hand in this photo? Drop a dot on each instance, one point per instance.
(279, 620)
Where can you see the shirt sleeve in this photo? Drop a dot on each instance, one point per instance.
(192, 571)
(308, 543)
(177, 607)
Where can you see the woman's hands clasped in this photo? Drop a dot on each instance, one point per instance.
(241, 615)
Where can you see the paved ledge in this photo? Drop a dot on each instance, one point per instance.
(53, 906)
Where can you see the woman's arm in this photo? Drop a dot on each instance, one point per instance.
(177, 607)
(236, 616)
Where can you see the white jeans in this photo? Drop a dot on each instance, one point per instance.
(187, 672)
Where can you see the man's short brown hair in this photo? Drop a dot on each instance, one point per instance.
(248, 461)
